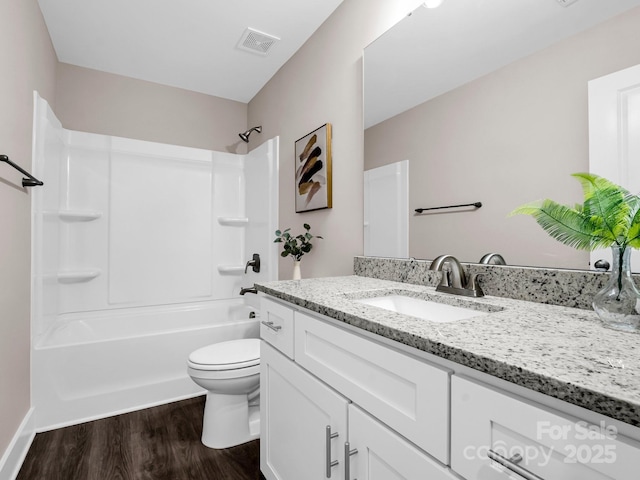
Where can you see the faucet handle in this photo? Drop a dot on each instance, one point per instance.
(445, 278)
(254, 264)
(474, 286)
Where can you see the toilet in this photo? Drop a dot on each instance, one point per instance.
(230, 372)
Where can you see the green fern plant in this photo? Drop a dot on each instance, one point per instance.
(609, 216)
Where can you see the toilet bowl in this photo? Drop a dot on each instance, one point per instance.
(230, 372)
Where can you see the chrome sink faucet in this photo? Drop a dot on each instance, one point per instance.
(454, 280)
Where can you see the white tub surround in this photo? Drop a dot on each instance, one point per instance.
(139, 248)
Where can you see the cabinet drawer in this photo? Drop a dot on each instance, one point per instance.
(550, 444)
(276, 325)
(407, 394)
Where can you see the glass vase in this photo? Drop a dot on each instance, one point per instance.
(618, 303)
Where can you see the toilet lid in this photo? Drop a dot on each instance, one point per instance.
(231, 354)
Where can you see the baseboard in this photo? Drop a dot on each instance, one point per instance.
(16, 452)
(118, 411)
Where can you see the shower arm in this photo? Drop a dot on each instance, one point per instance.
(26, 182)
(245, 135)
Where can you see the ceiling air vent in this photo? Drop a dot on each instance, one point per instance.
(257, 42)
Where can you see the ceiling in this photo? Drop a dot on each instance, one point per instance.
(190, 44)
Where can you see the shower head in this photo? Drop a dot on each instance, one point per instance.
(245, 135)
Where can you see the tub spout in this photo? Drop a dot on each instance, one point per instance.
(244, 290)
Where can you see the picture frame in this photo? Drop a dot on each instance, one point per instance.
(312, 163)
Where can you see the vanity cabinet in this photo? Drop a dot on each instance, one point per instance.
(336, 403)
(313, 425)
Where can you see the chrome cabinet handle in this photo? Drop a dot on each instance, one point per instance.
(347, 464)
(512, 464)
(271, 325)
(329, 437)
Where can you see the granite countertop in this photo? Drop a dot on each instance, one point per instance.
(558, 351)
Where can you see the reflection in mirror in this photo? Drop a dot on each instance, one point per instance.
(488, 101)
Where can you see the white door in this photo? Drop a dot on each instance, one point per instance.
(379, 453)
(386, 211)
(295, 410)
(614, 136)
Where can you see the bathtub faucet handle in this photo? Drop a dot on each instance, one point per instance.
(254, 263)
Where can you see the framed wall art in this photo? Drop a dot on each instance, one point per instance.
(313, 170)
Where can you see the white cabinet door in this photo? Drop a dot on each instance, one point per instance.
(378, 453)
(494, 433)
(295, 409)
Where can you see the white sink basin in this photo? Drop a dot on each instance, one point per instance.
(424, 309)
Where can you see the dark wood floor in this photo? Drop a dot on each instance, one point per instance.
(160, 443)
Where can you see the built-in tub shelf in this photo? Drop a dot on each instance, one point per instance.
(233, 222)
(75, 215)
(77, 276)
(231, 269)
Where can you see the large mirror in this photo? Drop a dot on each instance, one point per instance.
(488, 101)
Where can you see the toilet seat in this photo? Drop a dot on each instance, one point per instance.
(230, 355)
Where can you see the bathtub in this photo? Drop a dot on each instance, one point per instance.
(93, 365)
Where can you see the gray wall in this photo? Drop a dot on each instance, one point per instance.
(147, 111)
(28, 63)
(322, 83)
(511, 137)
